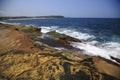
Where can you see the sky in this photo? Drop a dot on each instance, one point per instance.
(67, 8)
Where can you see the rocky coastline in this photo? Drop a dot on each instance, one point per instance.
(24, 55)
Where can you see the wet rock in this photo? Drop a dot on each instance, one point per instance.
(62, 38)
(16, 29)
(116, 59)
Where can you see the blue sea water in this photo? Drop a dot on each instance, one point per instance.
(101, 37)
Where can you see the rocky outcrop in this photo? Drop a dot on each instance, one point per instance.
(12, 38)
(34, 60)
(62, 39)
(47, 66)
(116, 59)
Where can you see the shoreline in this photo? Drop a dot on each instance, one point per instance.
(68, 48)
(91, 43)
(59, 44)
(21, 44)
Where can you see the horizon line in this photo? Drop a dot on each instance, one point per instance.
(60, 15)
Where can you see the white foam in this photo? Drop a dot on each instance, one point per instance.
(10, 23)
(105, 50)
(45, 29)
(2, 22)
(113, 48)
(59, 48)
(91, 48)
(75, 34)
(69, 32)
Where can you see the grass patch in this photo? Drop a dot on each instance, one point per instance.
(41, 47)
(56, 35)
(28, 30)
(31, 31)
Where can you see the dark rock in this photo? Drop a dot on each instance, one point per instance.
(108, 77)
(16, 29)
(38, 30)
(116, 59)
(62, 39)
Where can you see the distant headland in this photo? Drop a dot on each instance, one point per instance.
(29, 17)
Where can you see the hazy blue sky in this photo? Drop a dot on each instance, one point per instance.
(68, 8)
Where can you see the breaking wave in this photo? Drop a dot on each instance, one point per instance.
(92, 47)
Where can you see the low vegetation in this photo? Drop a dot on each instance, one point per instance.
(31, 31)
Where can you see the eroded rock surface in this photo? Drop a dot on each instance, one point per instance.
(24, 59)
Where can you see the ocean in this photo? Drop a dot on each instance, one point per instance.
(99, 36)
